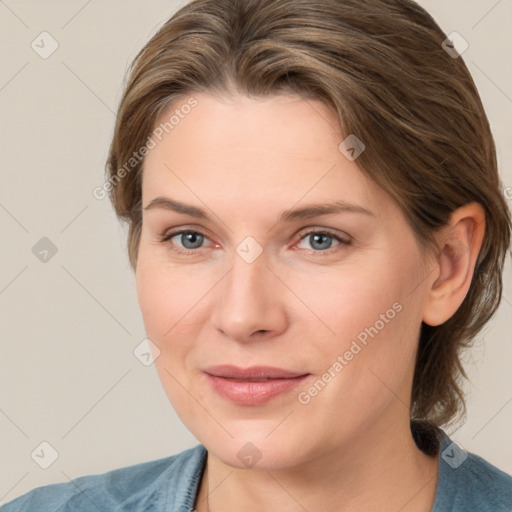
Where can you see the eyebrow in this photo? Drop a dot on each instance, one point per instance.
(305, 212)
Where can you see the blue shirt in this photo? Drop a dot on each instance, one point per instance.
(466, 483)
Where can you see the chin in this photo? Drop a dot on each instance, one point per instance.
(244, 452)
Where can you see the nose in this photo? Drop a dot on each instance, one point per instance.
(250, 301)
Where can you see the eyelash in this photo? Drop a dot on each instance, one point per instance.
(189, 252)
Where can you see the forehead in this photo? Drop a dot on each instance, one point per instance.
(271, 150)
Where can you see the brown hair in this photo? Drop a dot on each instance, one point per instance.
(381, 66)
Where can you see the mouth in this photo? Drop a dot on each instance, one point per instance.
(254, 373)
(252, 386)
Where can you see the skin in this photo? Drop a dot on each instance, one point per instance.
(298, 306)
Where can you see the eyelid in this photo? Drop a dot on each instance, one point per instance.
(185, 229)
(331, 251)
(327, 231)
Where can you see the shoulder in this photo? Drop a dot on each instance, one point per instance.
(487, 483)
(469, 482)
(147, 485)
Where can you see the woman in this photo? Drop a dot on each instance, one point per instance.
(317, 232)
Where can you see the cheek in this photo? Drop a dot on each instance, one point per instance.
(166, 297)
(349, 302)
(153, 297)
(370, 317)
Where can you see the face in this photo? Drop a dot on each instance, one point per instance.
(334, 297)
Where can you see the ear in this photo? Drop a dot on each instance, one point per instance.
(459, 243)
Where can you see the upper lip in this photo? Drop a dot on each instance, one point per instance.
(253, 372)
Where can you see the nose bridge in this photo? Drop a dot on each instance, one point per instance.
(248, 300)
(246, 284)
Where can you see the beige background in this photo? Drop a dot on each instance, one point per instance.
(69, 326)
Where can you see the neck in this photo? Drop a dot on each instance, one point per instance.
(380, 469)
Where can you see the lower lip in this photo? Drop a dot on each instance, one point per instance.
(252, 392)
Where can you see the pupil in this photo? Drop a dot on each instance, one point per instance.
(189, 237)
(316, 237)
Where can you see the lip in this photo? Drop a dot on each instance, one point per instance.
(252, 386)
(254, 372)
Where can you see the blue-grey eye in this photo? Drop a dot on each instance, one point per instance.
(191, 239)
(319, 241)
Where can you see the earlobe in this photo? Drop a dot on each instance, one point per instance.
(450, 278)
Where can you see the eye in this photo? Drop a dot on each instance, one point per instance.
(190, 240)
(321, 241)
